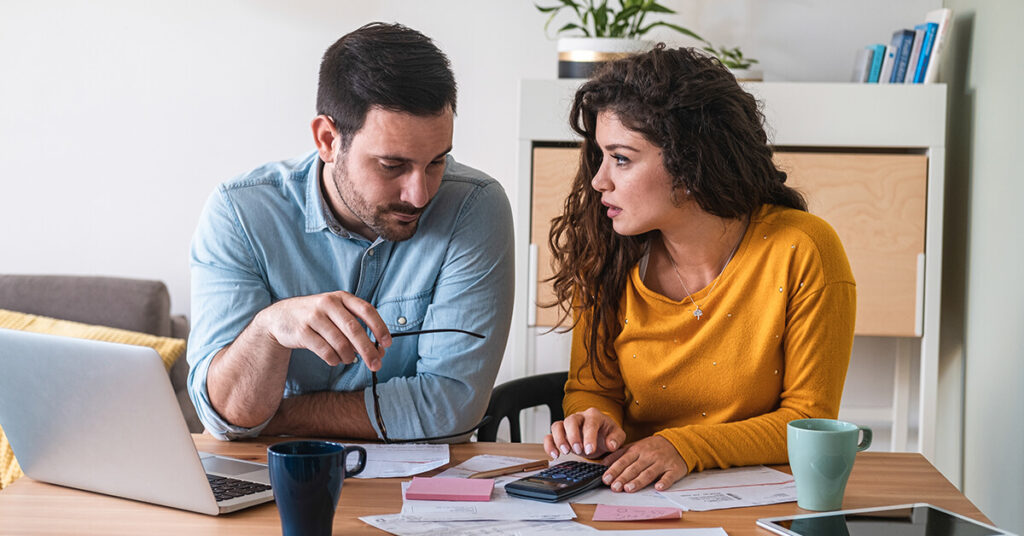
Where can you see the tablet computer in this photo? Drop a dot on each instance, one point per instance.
(919, 519)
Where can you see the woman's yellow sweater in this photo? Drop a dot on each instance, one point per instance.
(773, 345)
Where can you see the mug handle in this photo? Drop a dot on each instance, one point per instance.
(866, 441)
(360, 465)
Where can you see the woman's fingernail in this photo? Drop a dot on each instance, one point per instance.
(577, 448)
(554, 454)
(613, 444)
(565, 449)
(589, 448)
(617, 486)
(607, 479)
(629, 487)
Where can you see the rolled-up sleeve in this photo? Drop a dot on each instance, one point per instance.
(228, 289)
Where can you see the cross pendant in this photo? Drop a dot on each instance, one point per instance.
(697, 313)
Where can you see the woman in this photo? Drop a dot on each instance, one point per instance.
(709, 308)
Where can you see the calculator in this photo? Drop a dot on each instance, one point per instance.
(558, 482)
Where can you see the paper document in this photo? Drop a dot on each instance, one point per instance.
(399, 525)
(500, 507)
(715, 531)
(389, 461)
(645, 497)
(487, 462)
(716, 489)
(607, 512)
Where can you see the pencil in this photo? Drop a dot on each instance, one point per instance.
(528, 466)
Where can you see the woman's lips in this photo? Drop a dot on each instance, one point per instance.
(612, 209)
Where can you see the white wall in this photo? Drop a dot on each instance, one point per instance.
(117, 118)
(986, 136)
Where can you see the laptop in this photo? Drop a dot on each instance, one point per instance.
(103, 417)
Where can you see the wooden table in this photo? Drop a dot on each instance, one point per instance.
(32, 507)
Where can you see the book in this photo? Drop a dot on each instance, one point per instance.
(915, 54)
(926, 50)
(862, 65)
(902, 44)
(876, 63)
(944, 19)
(886, 74)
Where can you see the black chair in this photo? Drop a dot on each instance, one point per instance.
(510, 398)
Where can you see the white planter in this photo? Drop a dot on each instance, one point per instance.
(579, 56)
(747, 75)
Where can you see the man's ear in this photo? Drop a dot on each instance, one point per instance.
(325, 136)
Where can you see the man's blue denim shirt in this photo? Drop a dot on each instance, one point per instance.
(268, 235)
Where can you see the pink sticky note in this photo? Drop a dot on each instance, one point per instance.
(450, 489)
(608, 512)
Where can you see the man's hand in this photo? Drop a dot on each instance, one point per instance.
(327, 325)
(589, 433)
(246, 379)
(645, 461)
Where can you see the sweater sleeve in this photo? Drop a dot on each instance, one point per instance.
(588, 386)
(817, 345)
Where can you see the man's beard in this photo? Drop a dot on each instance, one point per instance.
(376, 218)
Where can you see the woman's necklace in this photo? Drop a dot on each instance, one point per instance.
(697, 311)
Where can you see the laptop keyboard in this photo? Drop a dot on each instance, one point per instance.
(225, 488)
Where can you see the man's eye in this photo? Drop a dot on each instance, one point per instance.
(389, 168)
(439, 162)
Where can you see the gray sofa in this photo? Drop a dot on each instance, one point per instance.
(132, 304)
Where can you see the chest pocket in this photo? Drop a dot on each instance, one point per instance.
(405, 313)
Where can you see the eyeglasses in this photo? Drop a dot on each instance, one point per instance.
(376, 399)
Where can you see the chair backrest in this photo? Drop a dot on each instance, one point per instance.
(510, 398)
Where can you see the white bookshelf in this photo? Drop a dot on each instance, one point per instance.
(814, 116)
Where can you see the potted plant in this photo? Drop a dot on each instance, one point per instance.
(739, 64)
(608, 32)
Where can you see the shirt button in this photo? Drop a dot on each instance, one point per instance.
(402, 321)
(703, 414)
(335, 228)
(369, 252)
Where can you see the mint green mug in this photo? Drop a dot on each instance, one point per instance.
(821, 454)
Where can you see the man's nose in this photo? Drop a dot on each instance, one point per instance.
(414, 190)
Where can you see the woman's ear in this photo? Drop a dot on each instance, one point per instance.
(325, 136)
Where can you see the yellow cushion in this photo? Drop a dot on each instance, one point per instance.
(169, 349)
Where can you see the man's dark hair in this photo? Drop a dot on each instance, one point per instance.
(385, 65)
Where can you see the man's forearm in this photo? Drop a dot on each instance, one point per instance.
(245, 380)
(323, 414)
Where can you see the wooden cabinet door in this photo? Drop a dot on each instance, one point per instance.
(553, 171)
(876, 203)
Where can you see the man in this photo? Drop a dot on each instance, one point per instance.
(303, 270)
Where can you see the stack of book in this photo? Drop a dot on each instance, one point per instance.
(912, 57)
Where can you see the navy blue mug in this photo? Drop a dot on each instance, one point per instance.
(306, 477)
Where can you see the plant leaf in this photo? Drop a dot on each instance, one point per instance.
(654, 7)
(573, 26)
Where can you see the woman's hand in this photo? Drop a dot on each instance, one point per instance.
(588, 433)
(638, 464)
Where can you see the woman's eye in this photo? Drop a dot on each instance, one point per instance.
(620, 160)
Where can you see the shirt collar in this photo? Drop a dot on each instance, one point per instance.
(318, 213)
